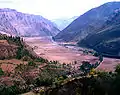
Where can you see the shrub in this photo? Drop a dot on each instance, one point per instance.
(43, 81)
(85, 67)
(117, 69)
(96, 54)
(31, 63)
(41, 60)
(1, 72)
(100, 58)
(59, 80)
(26, 58)
(12, 90)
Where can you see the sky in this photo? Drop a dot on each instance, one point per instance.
(53, 9)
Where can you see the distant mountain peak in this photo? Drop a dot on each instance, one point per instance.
(7, 10)
(62, 23)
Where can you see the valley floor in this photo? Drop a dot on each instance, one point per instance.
(46, 48)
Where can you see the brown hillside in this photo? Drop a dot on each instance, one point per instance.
(4, 42)
(7, 50)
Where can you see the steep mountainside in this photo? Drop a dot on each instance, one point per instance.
(88, 23)
(107, 40)
(62, 23)
(20, 24)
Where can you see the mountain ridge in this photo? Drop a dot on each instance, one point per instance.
(87, 23)
(106, 41)
(22, 24)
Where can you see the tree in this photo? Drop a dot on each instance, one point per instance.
(85, 67)
(96, 54)
(31, 63)
(117, 69)
(100, 58)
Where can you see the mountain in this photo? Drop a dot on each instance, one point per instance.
(62, 23)
(21, 24)
(107, 40)
(88, 23)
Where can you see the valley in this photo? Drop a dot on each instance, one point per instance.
(61, 56)
(48, 49)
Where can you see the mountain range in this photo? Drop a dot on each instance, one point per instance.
(88, 23)
(21, 24)
(98, 29)
(107, 39)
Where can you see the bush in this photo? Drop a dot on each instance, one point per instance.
(21, 52)
(100, 58)
(46, 78)
(96, 54)
(117, 69)
(43, 81)
(41, 60)
(85, 67)
(12, 90)
(1, 72)
(26, 58)
(59, 81)
(31, 63)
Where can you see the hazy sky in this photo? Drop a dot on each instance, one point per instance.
(53, 9)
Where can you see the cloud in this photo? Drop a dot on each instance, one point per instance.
(52, 9)
(6, 1)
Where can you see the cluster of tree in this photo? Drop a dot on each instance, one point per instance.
(12, 40)
(98, 83)
(22, 51)
(103, 83)
(52, 74)
(86, 66)
(12, 90)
